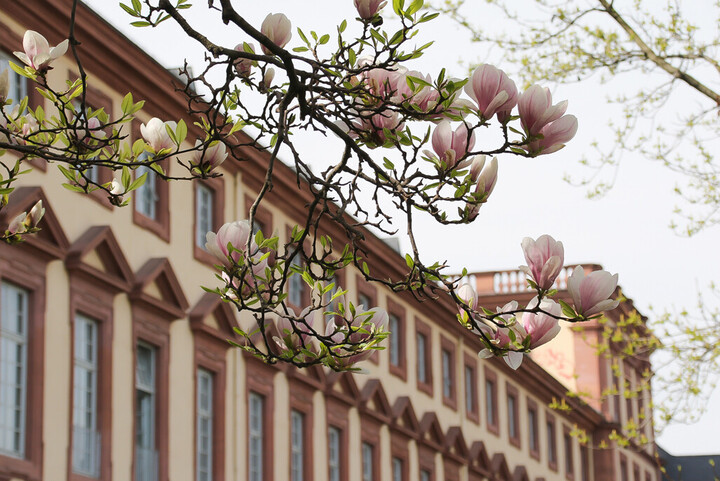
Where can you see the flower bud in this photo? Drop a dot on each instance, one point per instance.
(451, 146)
(368, 8)
(243, 66)
(278, 29)
(591, 293)
(493, 92)
(36, 213)
(17, 225)
(213, 155)
(156, 135)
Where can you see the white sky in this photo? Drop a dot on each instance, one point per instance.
(626, 231)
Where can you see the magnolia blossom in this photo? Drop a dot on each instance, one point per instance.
(268, 78)
(4, 86)
(365, 325)
(451, 146)
(292, 336)
(235, 234)
(485, 182)
(467, 294)
(591, 293)
(212, 156)
(373, 128)
(278, 29)
(553, 136)
(95, 132)
(387, 85)
(368, 8)
(24, 221)
(156, 135)
(38, 53)
(117, 189)
(243, 66)
(545, 257)
(542, 327)
(493, 91)
(422, 99)
(536, 109)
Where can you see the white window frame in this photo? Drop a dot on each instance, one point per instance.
(256, 408)
(297, 448)
(146, 456)
(204, 203)
(17, 85)
(146, 196)
(13, 369)
(334, 437)
(204, 442)
(86, 438)
(367, 461)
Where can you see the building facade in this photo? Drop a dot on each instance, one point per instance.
(114, 364)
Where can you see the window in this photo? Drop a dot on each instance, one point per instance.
(146, 196)
(365, 301)
(204, 201)
(623, 469)
(585, 463)
(17, 85)
(204, 440)
(334, 453)
(296, 284)
(255, 436)
(471, 407)
(297, 420)
(424, 357)
(397, 469)
(368, 463)
(616, 397)
(551, 442)
(533, 438)
(13, 369)
(395, 339)
(447, 364)
(422, 373)
(86, 438)
(424, 475)
(569, 464)
(513, 411)
(146, 455)
(491, 400)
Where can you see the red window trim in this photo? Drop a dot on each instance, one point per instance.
(511, 391)
(532, 406)
(569, 474)
(337, 414)
(493, 424)
(550, 424)
(301, 400)
(260, 380)
(370, 434)
(399, 449)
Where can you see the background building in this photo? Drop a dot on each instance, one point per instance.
(114, 363)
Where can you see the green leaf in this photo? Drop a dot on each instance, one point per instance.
(398, 6)
(300, 49)
(343, 26)
(137, 6)
(20, 70)
(125, 178)
(127, 103)
(140, 24)
(303, 37)
(74, 188)
(128, 10)
(181, 132)
(414, 7)
(324, 39)
(69, 175)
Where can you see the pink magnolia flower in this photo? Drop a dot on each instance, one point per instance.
(591, 293)
(451, 146)
(243, 66)
(368, 8)
(155, 134)
(536, 109)
(117, 189)
(268, 78)
(542, 327)
(545, 257)
(292, 336)
(38, 53)
(235, 234)
(278, 29)
(387, 85)
(467, 294)
(213, 155)
(17, 225)
(554, 136)
(373, 129)
(24, 221)
(423, 99)
(36, 213)
(486, 179)
(369, 322)
(493, 91)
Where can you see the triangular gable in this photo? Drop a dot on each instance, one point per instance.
(374, 401)
(430, 431)
(99, 242)
(157, 277)
(342, 385)
(311, 375)
(51, 240)
(520, 474)
(500, 467)
(214, 317)
(479, 458)
(455, 445)
(404, 418)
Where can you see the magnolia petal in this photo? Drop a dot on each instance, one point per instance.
(514, 359)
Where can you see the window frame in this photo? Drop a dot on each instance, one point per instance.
(533, 407)
(491, 396)
(200, 414)
(568, 453)
(447, 347)
(551, 440)
(301, 401)
(472, 412)
(399, 369)
(260, 380)
(513, 414)
(424, 329)
(217, 187)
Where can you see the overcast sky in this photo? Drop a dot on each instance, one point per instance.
(626, 231)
